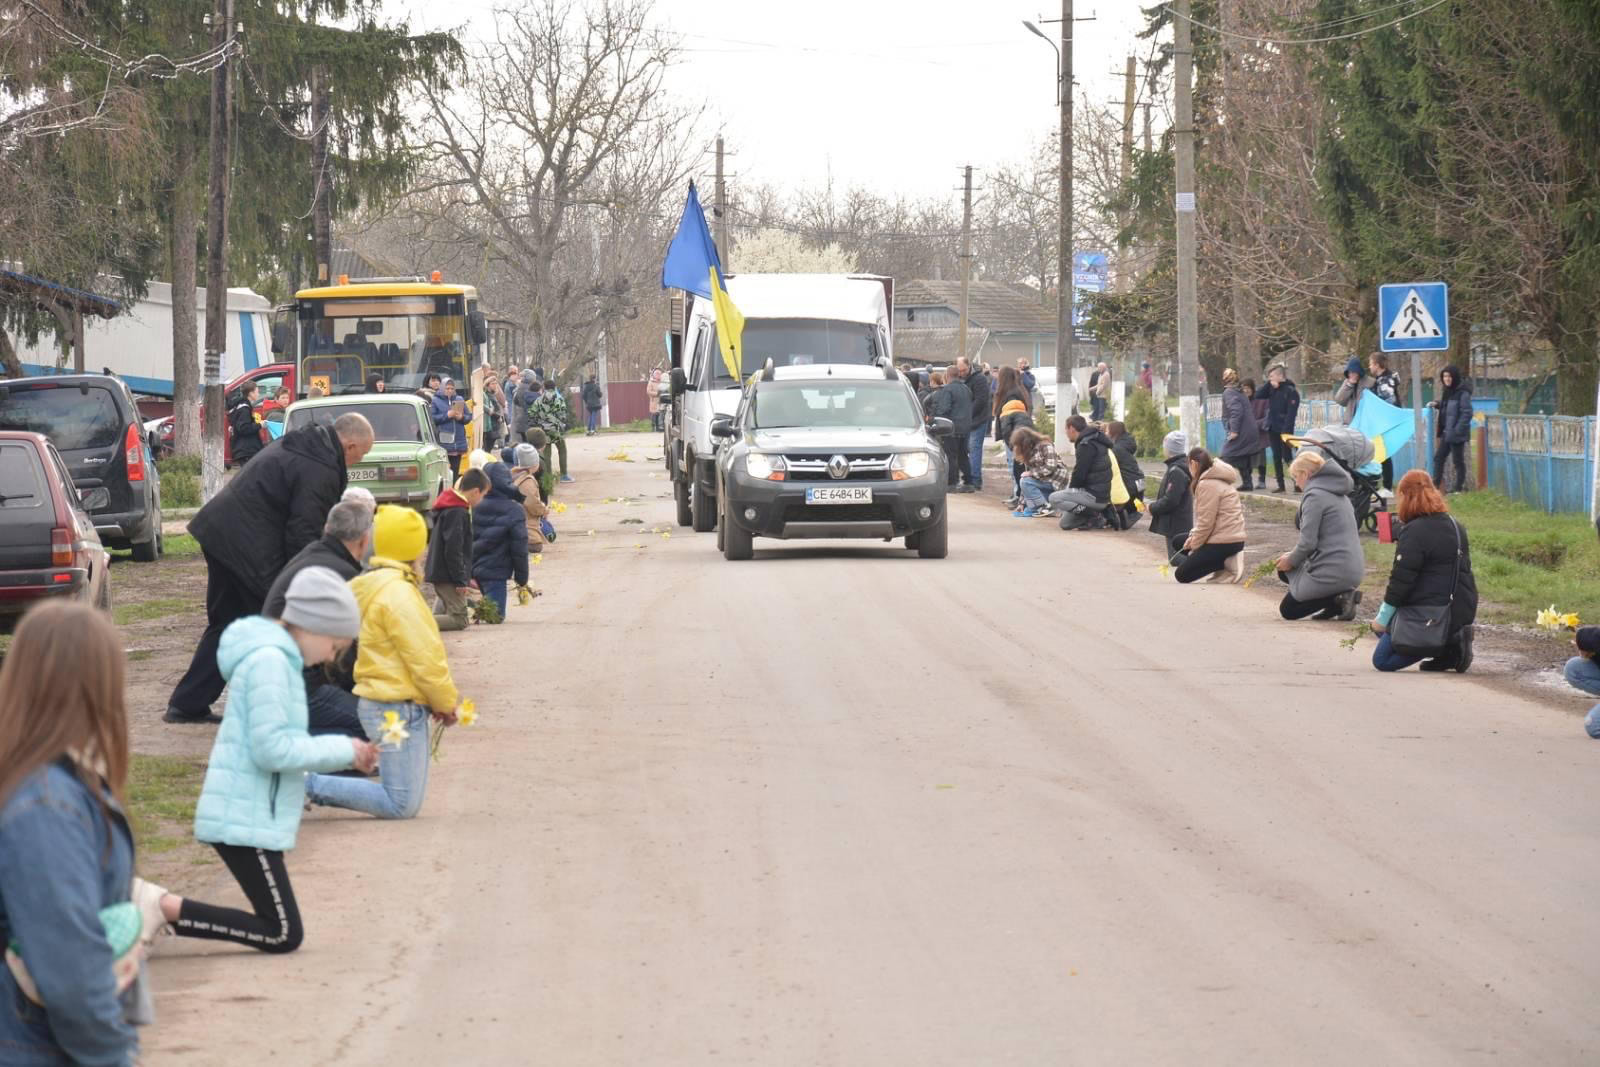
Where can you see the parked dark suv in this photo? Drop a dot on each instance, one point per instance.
(93, 423)
(48, 547)
(830, 450)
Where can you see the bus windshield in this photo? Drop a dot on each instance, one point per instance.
(403, 338)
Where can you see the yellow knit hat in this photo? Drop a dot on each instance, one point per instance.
(399, 533)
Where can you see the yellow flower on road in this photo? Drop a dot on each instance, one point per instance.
(1166, 570)
(665, 536)
(560, 509)
(393, 731)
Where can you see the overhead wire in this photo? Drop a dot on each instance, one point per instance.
(1309, 40)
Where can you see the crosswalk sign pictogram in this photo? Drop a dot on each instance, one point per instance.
(1414, 317)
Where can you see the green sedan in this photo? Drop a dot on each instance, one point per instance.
(407, 465)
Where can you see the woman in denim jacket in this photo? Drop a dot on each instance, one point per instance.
(66, 851)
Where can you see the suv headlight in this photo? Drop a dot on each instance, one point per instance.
(767, 467)
(906, 465)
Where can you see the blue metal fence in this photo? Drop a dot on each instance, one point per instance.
(1544, 461)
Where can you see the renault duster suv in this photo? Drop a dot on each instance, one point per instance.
(830, 450)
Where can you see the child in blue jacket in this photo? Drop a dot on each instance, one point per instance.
(254, 791)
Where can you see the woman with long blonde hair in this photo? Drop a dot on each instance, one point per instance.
(66, 850)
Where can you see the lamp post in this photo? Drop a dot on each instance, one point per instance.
(1064, 249)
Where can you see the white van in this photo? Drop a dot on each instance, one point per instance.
(791, 319)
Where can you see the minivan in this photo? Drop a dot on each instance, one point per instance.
(93, 423)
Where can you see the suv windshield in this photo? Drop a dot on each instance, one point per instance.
(801, 342)
(855, 404)
(390, 422)
(72, 420)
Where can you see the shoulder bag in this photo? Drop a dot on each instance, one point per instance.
(1424, 629)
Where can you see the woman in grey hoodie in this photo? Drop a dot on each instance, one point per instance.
(1325, 567)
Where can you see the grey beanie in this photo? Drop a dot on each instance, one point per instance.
(1175, 443)
(528, 377)
(526, 456)
(319, 602)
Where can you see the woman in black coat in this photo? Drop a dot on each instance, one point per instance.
(1283, 408)
(1239, 423)
(1453, 426)
(1432, 566)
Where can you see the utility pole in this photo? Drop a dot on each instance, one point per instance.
(222, 27)
(966, 262)
(322, 194)
(1129, 87)
(720, 210)
(1191, 418)
(1065, 291)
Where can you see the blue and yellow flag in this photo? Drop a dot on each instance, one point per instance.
(692, 252)
(1386, 426)
(730, 326)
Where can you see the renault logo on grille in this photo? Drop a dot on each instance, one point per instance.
(838, 467)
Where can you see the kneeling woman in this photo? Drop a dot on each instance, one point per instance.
(1432, 568)
(1326, 564)
(1043, 472)
(1215, 546)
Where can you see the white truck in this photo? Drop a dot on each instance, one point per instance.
(791, 319)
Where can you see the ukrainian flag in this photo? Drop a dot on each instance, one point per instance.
(1386, 426)
(730, 326)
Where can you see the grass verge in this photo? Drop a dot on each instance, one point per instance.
(162, 791)
(144, 610)
(636, 426)
(180, 481)
(180, 545)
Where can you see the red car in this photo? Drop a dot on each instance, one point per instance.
(269, 379)
(48, 544)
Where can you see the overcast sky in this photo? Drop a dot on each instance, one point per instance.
(893, 94)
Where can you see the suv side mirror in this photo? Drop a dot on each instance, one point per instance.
(941, 427)
(722, 426)
(680, 382)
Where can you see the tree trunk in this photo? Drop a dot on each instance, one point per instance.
(1366, 321)
(181, 243)
(1577, 344)
(8, 357)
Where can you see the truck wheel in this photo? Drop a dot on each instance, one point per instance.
(934, 542)
(913, 540)
(736, 541)
(150, 551)
(722, 526)
(703, 510)
(680, 494)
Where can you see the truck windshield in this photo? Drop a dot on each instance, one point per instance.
(861, 405)
(390, 422)
(801, 342)
(403, 338)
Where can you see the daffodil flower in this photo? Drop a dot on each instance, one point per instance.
(1570, 620)
(468, 715)
(1166, 570)
(591, 533)
(665, 536)
(393, 731)
(1548, 618)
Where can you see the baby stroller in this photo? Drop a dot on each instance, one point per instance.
(1351, 450)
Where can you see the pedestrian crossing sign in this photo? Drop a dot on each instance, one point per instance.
(1414, 317)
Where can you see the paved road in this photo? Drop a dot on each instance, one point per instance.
(1028, 805)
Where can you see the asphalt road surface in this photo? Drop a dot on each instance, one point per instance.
(1033, 804)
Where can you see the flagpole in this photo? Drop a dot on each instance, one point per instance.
(1418, 461)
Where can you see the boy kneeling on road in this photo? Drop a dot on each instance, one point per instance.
(450, 556)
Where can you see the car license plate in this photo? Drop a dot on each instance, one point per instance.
(839, 494)
(364, 474)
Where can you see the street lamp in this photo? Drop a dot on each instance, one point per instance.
(1064, 289)
(1037, 32)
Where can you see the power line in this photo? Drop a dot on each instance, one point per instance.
(1310, 40)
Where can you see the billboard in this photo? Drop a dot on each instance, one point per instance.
(1089, 270)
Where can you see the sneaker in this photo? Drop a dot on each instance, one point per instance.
(1348, 603)
(1013, 502)
(1045, 511)
(1025, 513)
(1235, 566)
(184, 718)
(148, 896)
(1464, 661)
(1280, 489)
(566, 477)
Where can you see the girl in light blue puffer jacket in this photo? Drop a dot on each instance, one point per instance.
(250, 805)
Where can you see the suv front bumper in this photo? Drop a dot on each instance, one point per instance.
(779, 509)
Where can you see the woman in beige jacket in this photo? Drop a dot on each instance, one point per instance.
(525, 476)
(1216, 544)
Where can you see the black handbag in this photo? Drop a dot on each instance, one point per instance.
(1424, 629)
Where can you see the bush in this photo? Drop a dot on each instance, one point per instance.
(1145, 421)
(180, 481)
(1045, 423)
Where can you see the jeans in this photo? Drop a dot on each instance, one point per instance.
(1385, 658)
(956, 459)
(1097, 408)
(1065, 500)
(1444, 451)
(1583, 674)
(333, 711)
(495, 589)
(402, 768)
(451, 612)
(1035, 494)
(227, 599)
(594, 419)
(976, 438)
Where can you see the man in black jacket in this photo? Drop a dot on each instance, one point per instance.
(1090, 483)
(345, 540)
(978, 385)
(263, 517)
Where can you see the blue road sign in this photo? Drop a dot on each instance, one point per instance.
(1414, 317)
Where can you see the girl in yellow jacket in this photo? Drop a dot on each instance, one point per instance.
(402, 678)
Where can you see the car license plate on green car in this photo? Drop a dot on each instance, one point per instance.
(839, 494)
(364, 474)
